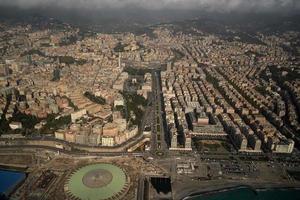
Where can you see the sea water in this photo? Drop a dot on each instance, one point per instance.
(9, 180)
(249, 194)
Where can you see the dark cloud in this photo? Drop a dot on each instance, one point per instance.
(209, 5)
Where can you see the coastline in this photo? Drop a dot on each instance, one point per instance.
(13, 167)
(215, 186)
(241, 186)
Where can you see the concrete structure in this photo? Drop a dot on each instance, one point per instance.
(15, 125)
(78, 115)
(97, 181)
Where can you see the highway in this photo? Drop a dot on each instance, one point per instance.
(290, 158)
(37, 148)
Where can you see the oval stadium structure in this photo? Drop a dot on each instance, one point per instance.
(97, 182)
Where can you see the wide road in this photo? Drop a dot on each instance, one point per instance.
(153, 142)
(159, 129)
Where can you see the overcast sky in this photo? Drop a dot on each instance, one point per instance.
(211, 5)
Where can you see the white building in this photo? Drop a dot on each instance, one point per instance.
(78, 115)
(15, 125)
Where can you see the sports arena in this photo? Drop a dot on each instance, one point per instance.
(97, 182)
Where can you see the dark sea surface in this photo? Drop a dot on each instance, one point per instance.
(249, 194)
(9, 179)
